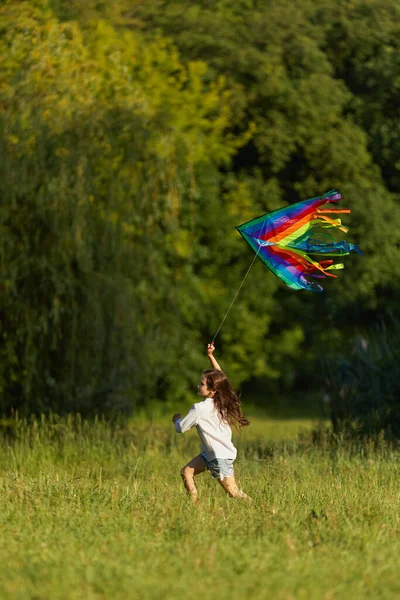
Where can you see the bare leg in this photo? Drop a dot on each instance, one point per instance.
(194, 467)
(230, 486)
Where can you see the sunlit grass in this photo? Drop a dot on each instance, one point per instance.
(276, 429)
(94, 511)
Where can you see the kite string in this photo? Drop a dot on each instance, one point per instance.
(236, 295)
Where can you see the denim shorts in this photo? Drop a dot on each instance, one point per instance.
(219, 467)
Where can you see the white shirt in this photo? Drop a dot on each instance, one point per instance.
(215, 434)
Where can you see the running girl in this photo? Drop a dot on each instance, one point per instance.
(213, 418)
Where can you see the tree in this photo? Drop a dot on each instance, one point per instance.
(102, 141)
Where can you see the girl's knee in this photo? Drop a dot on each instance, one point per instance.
(229, 488)
(186, 472)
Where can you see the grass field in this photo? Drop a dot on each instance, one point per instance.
(93, 511)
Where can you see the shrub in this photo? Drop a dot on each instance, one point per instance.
(364, 387)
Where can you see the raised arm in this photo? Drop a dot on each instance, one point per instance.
(213, 360)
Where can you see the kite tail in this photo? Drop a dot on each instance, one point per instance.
(341, 248)
(311, 243)
(321, 269)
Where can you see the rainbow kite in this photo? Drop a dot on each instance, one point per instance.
(284, 239)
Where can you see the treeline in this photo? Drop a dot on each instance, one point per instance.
(135, 136)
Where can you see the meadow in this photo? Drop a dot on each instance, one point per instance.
(95, 510)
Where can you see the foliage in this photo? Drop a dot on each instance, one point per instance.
(101, 142)
(365, 388)
(134, 137)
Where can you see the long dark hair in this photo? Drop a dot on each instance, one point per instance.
(226, 400)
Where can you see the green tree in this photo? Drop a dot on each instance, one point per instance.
(104, 138)
(146, 131)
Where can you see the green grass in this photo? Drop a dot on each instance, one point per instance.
(92, 511)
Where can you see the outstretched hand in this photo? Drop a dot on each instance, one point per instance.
(176, 417)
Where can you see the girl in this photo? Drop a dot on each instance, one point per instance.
(213, 419)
